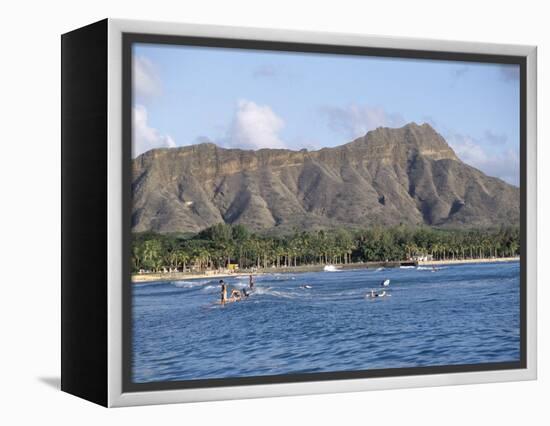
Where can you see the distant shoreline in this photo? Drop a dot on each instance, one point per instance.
(465, 261)
(178, 276)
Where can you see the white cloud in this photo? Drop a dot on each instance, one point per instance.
(490, 153)
(254, 127)
(144, 136)
(495, 138)
(146, 79)
(502, 164)
(355, 120)
(467, 150)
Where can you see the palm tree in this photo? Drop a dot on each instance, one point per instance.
(152, 254)
(411, 249)
(137, 254)
(183, 257)
(513, 247)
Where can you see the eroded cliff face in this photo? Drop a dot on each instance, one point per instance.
(407, 175)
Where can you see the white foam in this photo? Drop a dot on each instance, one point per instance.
(268, 291)
(239, 284)
(189, 284)
(429, 268)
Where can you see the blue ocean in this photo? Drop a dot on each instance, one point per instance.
(322, 322)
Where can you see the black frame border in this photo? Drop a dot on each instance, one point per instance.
(84, 183)
(128, 39)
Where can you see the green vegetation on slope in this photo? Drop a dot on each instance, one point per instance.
(221, 244)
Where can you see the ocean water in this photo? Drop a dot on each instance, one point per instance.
(461, 314)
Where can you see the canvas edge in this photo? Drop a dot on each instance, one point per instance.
(114, 219)
(532, 188)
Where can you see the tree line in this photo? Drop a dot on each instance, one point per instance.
(223, 244)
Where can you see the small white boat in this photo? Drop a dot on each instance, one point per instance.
(385, 283)
(330, 268)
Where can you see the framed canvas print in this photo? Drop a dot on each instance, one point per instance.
(252, 212)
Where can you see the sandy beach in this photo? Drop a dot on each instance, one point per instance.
(462, 261)
(177, 276)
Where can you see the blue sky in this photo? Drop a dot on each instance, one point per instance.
(259, 99)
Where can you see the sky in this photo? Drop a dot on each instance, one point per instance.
(255, 99)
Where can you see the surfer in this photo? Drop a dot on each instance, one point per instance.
(235, 295)
(251, 282)
(223, 292)
(374, 295)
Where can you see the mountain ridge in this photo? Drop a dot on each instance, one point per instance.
(388, 176)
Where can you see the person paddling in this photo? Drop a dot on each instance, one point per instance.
(235, 295)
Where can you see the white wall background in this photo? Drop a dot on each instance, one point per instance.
(30, 210)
